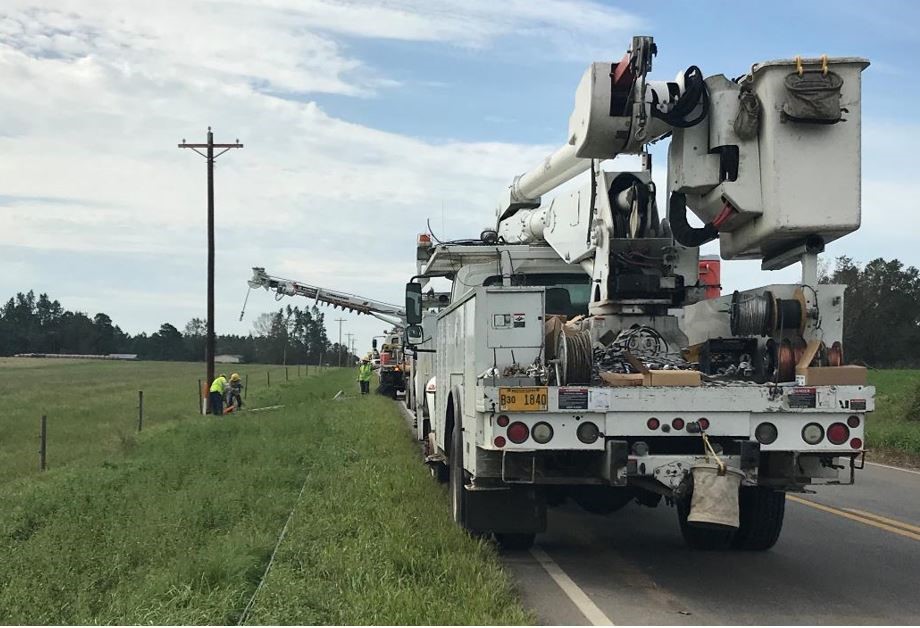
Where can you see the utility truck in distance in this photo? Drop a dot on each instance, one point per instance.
(578, 357)
(397, 373)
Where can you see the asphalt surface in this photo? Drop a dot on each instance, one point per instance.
(847, 555)
(850, 555)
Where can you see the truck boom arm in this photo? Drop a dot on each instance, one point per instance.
(387, 312)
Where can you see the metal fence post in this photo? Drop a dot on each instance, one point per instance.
(286, 378)
(268, 377)
(246, 387)
(198, 398)
(43, 444)
(140, 410)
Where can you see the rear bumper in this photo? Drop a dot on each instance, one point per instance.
(616, 466)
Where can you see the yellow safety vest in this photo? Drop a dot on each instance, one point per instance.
(219, 384)
(364, 372)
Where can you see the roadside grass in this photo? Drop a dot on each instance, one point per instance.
(895, 425)
(179, 529)
(372, 541)
(92, 405)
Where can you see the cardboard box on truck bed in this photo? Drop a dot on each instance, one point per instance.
(672, 378)
(805, 375)
(623, 379)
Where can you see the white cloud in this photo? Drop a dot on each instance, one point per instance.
(96, 95)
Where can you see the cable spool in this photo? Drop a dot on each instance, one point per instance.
(575, 355)
(790, 315)
(798, 349)
(835, 354)
(785, 361)
(752, 315)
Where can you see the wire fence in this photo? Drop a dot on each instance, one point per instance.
(251, 378)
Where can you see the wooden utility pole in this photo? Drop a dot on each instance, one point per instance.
(340, 321)
(210, 157)
(350, 350)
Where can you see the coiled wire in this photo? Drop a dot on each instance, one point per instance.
(752, 315)
(575, 355)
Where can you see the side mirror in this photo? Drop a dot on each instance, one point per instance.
(415, 335)
(413, 303)
(374, 344)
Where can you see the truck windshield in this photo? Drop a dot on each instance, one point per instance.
(566, 293)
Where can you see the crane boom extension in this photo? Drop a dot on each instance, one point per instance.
(387, 312)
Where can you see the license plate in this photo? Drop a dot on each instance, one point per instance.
(522, 399)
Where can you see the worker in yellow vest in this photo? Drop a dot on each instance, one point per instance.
(364, 375)
(218, 388)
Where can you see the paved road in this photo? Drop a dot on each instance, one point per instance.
(849, 555)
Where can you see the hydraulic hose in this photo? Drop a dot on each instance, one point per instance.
(683, 232)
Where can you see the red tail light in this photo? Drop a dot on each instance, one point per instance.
(653, 423)
(856, 443)
(518, 432)
(503, 420)
(499, 441)
(678, 423)
(853, 421)
(838, 433)
(703, 422)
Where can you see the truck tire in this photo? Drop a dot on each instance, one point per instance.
(516, 541)
(457, 480)
(698, 537)
(761, 512)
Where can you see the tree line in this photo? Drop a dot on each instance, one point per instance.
(881, 312)
(30, 324)
(881, 326)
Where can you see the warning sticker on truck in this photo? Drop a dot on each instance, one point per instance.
(519, 319)
(573, 398)
(802, 397)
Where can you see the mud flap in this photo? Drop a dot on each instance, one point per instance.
(505, 510)
(616, 460)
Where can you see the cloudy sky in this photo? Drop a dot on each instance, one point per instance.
(360, 120)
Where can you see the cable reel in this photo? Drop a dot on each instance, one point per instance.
(575, 357)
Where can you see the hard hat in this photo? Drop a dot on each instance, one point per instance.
(222, 375)
(235, 377)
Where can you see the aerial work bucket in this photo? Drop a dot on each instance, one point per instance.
(714, 502)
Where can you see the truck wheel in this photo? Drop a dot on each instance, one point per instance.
(439, 472)
(457, 477)
(516, 541)
(761, 512)
(699, 537)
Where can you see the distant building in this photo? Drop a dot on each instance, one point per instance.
(227, 358)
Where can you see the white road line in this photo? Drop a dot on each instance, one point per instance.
(579, 598)
(888, 466)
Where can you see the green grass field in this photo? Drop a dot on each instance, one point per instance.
(895, 425)
(92, 405)
(176, 525)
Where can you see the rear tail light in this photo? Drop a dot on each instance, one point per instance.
(678, 423)
(853, 421)
(703, 422)
(587, 433)
(838, 433)
(503, 420)
(856, 443)
(518, 432)
(812, 433)
(499, 441)
(653, 423)
(766, 433)
(542, 432)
